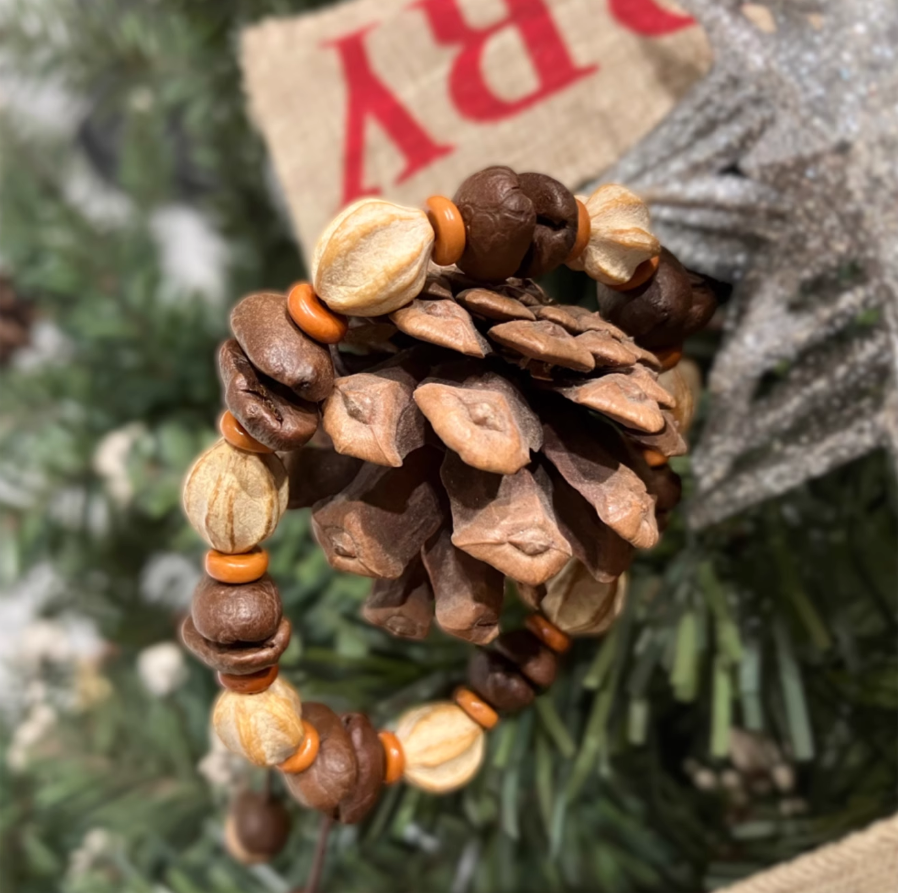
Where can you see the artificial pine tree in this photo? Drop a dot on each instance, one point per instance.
(626, 776)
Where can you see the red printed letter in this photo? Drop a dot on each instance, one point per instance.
(369, 96)
(548, 53)
(647, 18)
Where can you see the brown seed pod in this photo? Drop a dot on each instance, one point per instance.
(496, 679)
(257, 827)
(556, 224)
(250, 612)
(371, 762)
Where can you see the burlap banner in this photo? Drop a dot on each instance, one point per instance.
(405, 98)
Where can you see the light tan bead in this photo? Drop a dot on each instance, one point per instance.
(373, 258)
(684, 384)
(580, 605)
(443, 746)
(234, 498)
(264, 728)
(619, 236)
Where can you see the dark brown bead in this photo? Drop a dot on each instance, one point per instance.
(655, 313)
(538, 663)
(706, 293)
(333, 774)
(276, 346)
(499, 223)
(666, 486)
(239, 659)
(261, 823)
(403, 607)
(317, 473)
(371, 761)
(248, 612)
(269, 411)
(498, 682)
(556, 224)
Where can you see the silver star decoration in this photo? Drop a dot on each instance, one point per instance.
(778, 173)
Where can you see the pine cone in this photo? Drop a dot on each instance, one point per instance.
(501, 436)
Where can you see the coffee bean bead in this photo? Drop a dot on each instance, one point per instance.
(244, 567)
(270, 412)
(556, 225)
(224, 613)
(498, 682)
(261, 823)
(276, 346)
(499, 223)
(239, 659)
(654, 313)
(538, 663)
(334, 772)
(371, 761)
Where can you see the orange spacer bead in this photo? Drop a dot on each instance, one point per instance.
(395, 757)
(252, 683)
(654, 458)
(245, 567)
(669, 357)
(549, 634)
(584, 228)
(305, 755)
(448, 229)
(475, 707)
(316, 320)
(237, 436)
(640, 276)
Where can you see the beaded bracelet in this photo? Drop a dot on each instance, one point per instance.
(471, 430)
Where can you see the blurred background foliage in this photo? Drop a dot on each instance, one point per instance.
(741, 711)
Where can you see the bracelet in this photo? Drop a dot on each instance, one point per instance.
(450, 426)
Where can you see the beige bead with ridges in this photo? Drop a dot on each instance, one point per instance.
(684, 384)
(234, 498)
(579, 604)
(373, 258)
(619, 237)
(264, 728)
(443, 746)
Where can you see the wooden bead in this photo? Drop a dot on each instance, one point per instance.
(548, 633)
(264, 728)
(305, 754)
(583, 229)
(332, 776)
(443, 746)
(373, 258)
(475, 707)
(395, 758)
(252, 683)
(313, 317)
(234, 499)
(653, 458)
(237, 436)
(669, 357)
(448, 228)
(643, 273)
(241, 568)
(556, 224)
(235, 848)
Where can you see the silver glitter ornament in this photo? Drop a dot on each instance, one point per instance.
(779, 173)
